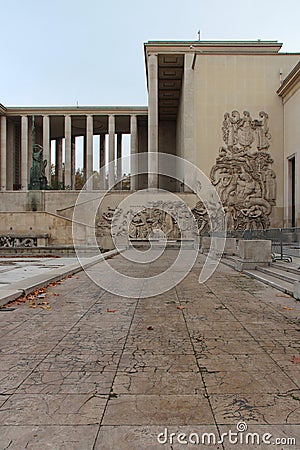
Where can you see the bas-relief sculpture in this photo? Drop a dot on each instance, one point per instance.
(242, 175)
(13, 242)
(170, 219)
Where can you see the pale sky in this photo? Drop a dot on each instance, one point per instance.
(58, 52)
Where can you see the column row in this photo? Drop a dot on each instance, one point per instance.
(16, 142)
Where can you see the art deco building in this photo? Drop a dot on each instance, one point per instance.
(230, 108)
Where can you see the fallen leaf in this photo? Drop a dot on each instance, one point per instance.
(295, 360)
(180, 307)
(111, 310)
(150, 328)
(283, 295)
(287, 308)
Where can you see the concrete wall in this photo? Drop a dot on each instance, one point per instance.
(58, 228)
(237, 82)
(292, 148)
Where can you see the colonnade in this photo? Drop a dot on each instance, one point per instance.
(65, 167)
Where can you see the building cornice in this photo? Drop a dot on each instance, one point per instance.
(291, 82)
(74, 110)
(3, 110)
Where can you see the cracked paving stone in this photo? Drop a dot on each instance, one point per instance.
(64, 382)
(146, 437)
(52, 437)
(158, 381)
(259, 408)
(158, 409)
(243, 382)
(52, 409)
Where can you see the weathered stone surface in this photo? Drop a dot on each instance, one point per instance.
(104, 372)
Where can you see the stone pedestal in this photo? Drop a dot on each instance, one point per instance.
(254, 253)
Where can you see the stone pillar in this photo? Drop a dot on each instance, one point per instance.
(111, 151)
(68, 151)
(133, 152)
(152, 121)
(3, 144)
(89, 151)
(10, 155)
(58, 162)
(102, 159)
(119, 161)
(24, 153)
(46, 147)
(73, 161)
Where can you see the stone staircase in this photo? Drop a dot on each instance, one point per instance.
(280, 275)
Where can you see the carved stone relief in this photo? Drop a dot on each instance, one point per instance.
(154, 220)
(242, 175)
(11, 241)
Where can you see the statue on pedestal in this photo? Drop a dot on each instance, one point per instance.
(38, 180)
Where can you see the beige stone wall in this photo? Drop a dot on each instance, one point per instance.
(238, 82)
(292, 147)
(58, 228)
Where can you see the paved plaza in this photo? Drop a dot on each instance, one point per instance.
(85, 369)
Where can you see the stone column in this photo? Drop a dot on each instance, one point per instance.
(89, 151)
(46, 147)
(133, 152)
(10, 155)
(3, 144)
(102, 159)
(152, 121)
(68, 151)
(24, 153)
(119, 161)
(111, 151)
(58, 162)
(73, 161)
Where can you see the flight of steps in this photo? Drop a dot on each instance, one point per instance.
(280, 275)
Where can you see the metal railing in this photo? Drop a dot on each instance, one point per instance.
(285, 241)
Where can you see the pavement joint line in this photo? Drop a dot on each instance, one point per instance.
(254, 338)
(117, 367)
(52, 348)
(30, 284)
(207, 396)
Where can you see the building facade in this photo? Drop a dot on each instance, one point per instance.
(229, 108)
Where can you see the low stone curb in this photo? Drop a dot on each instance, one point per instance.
(29, 285)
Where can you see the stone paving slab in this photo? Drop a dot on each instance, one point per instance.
(99, 371)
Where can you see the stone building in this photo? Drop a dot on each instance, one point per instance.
(230, 108)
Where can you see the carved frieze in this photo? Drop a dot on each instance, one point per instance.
(242, 174)
(155, 219)
(12, 241)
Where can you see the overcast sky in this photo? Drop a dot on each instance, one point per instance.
(58, 52)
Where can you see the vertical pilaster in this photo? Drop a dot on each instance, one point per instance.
(46, 147)
(111, 150)
(3, 144)
(24, 152)
(133, 152)
(119, 160)
(152, 121)
(188, 114)
(89, 151)
(68, 151)
(58, 162)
